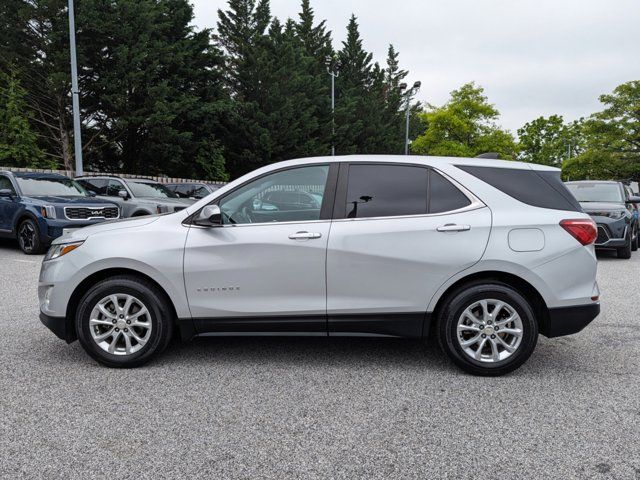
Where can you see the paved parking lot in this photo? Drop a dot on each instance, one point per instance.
(319, 408)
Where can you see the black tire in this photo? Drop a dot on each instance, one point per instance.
(635, 241)
(625, 252)
(28, 237)
(161, 318)
(459, 301)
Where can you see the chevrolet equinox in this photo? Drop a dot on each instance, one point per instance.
(483, 254)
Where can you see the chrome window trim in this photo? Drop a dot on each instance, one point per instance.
(91, 218)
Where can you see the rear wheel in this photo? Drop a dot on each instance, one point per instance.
(488, 329)
(29, 238)
(124, 321)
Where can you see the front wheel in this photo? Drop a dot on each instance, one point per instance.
(29, 238)
(488, 329)
(124, 321)
(635, 240)
(625, 252)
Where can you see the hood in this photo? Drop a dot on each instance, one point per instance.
(65, 201)
(602, 206)
(84, 233)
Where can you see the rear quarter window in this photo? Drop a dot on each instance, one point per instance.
(542, 189)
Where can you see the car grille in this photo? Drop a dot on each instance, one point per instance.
(85, 213)
(603, 235)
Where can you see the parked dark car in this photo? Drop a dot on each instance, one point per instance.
(36, 208)
(136, 197)
(195, 190)
(613, 209)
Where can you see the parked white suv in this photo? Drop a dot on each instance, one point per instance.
(484, 254)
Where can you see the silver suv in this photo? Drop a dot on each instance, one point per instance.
(483, 254)
(136, 197)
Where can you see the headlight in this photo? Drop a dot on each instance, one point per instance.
(162, 209)
(60, 250)
(48, 211)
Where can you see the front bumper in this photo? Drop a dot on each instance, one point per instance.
(569, 320)
(63, 329)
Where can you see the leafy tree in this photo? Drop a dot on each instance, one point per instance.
(547, 140)
(595, 165)
(18, 143)
(356, 75)
(464, 127)
(153, 89)
(35, 39)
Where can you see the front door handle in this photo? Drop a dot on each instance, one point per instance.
(451, 227)
(304, 235)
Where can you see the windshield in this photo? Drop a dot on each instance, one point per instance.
(50, 187)
(596, 192)
(147, 189)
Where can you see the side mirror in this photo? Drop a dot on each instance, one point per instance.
(123, 194)
(635, 200)
(6, 193)
(209, 216)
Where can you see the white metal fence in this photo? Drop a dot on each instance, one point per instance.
(71, 174)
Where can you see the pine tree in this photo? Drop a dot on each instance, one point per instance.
(18, 143)
(156, 94)
(395, 104)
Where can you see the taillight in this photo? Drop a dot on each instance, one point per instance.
(584, 230)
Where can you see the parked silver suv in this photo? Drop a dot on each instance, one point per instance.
(136, 197)
(484, 254)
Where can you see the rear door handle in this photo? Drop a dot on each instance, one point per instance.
(450, 227)
(304, 235)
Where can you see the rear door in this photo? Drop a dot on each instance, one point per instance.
(400, 231)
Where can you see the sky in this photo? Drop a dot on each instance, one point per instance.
(533, 57)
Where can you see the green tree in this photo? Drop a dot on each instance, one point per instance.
(153, 89)
(18, 143)
(352, 89)
(464, 127)
(548, 140)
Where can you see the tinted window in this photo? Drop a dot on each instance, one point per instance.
(596, 192)
(150, 189)
(386, 190)
(95, 186)
(50, 186)
(5, 184)
(444, 196)
(114, 188)
(537, 188)
(287, 196)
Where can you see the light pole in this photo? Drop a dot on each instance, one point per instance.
(75, 94)
(332, 70)
(413, 90)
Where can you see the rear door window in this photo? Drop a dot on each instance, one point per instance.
(444, 196)
(386, 191)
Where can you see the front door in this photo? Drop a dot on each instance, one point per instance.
(264, 268)
(8, 206)
(400, 232)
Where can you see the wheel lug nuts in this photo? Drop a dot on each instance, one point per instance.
(483, 335)
(489, 322)
(492, 336)
(114, 321)
(128, 322)
(121, 316)
(117, 329)
(126, 329)
(496, 329)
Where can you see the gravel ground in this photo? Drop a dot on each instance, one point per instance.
(319, 408)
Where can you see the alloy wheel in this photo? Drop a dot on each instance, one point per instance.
(27, 236)
(120, 324)
(489, 330)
